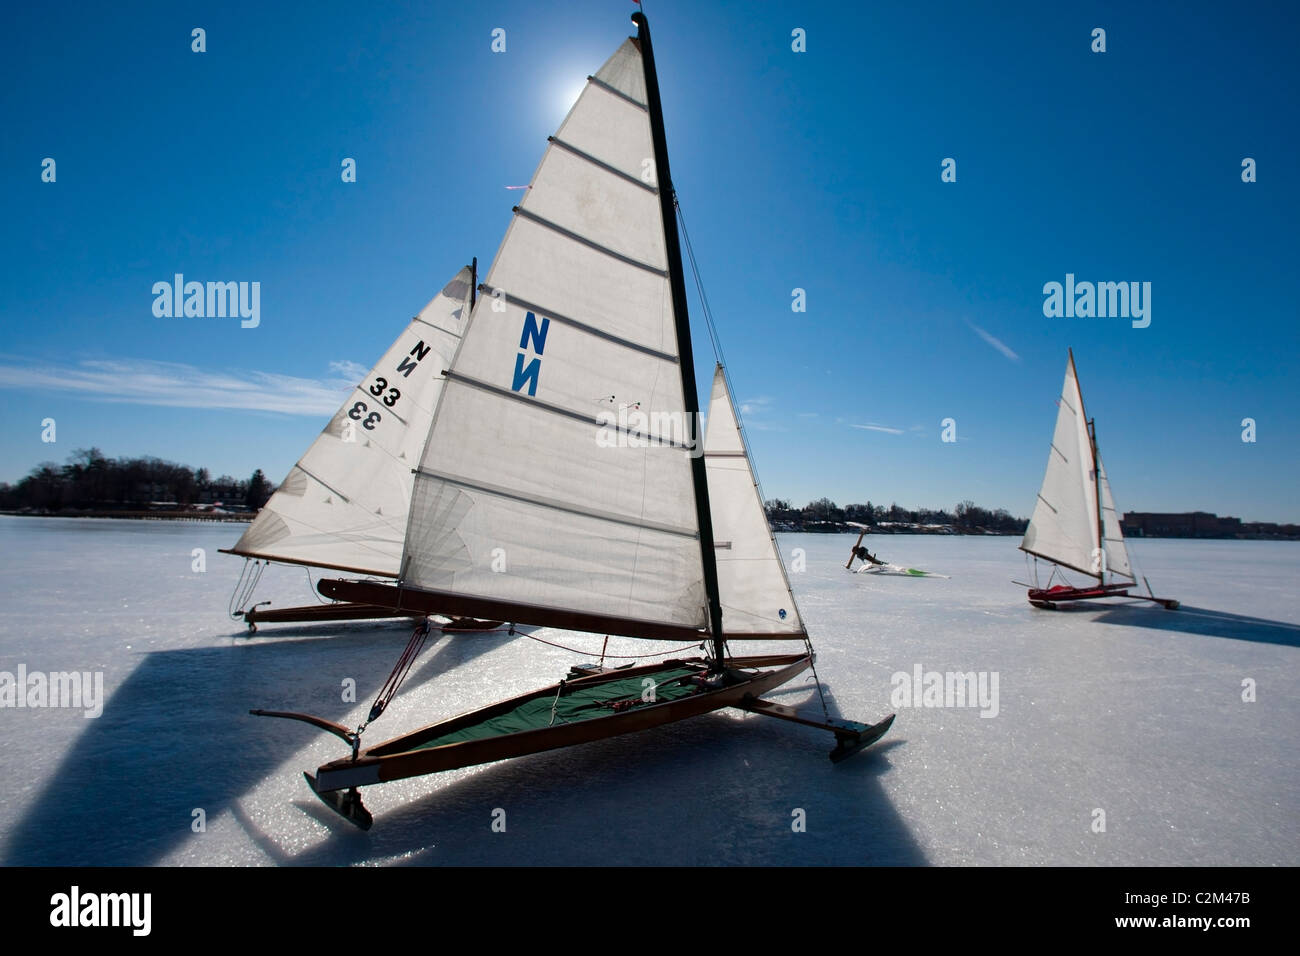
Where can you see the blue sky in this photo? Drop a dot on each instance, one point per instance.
(817, 170)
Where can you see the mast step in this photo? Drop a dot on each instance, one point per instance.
(346, 804)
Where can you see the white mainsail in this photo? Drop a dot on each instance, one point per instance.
(1064, 526)
(344, 504)
(525, 493)
(752, 582)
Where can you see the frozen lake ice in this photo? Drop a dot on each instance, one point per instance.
(1131, 711)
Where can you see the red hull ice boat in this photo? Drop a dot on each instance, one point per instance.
(1049, 598)
(1075, 524)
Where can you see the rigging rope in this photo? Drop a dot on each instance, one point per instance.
(556, 703)
(400, 670)
(616, 657)
(1138, 573)
(721, 359)
(249, 578)
(312, 587)
(716, 341)
(812, 661)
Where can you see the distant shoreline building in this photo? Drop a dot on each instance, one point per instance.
(1201, 524)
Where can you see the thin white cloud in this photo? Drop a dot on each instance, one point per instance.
(753, 412)
(996, 343)
(177, 385)
(873, 427)
(350, 371)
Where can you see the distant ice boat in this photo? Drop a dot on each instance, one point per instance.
(1075, 524)
(873, 565)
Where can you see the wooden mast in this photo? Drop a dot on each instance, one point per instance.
(686, 360)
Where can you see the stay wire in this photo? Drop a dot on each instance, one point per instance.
(403, 666)
(249, 577)
(715, 340)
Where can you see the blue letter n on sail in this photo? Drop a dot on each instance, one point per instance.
(526, 376)
(536, 335)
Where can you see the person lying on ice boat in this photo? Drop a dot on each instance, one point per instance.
(860, 552)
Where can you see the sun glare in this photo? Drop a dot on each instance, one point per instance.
(566, 94)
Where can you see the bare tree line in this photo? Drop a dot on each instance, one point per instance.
(89, 480)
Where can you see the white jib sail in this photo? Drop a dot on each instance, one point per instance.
(344, 504)
(555, 474)
(1116, 552)
(1064, 528)
(752, 582)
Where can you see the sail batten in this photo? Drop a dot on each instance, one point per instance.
(589, 242)
(343, 505)
(597, 81)
(596, 421)
(583, 326)
(1064, 564)
(559, 505)
(581, 154)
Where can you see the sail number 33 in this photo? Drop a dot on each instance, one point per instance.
(380, 388)
(360, 411)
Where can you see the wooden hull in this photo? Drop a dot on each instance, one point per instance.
(397, 758)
